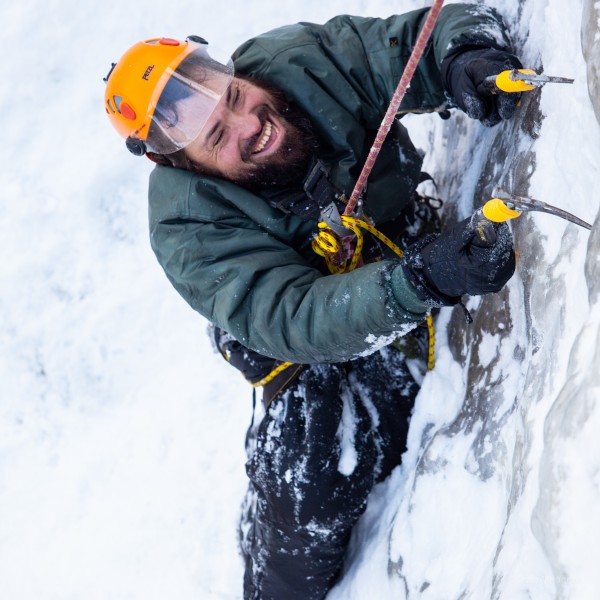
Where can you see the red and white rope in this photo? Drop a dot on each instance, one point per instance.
(390, 115)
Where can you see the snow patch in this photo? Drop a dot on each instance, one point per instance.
(346, 435)
(377, 342)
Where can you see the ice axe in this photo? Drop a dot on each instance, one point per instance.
(519, 80)
(505, 206)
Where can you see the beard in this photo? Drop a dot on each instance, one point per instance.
(289, 165)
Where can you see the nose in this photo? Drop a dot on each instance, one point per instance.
(244, 125)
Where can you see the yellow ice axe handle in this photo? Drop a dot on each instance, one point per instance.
(483, 219)
(505, 82)
(497, 211)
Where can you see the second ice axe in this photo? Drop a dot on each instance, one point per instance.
(505, 206)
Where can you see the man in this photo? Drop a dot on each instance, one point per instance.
(252, 154)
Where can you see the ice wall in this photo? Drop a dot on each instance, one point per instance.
(590, 44)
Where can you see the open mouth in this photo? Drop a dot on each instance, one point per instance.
(266, 139)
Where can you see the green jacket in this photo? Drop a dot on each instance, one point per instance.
(249, 268)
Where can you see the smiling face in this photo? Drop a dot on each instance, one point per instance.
(254, 138)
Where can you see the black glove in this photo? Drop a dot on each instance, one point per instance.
(444, 267)
(463, 73)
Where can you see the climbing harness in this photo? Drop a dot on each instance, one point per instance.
(258, 370)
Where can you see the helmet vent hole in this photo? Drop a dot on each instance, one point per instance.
(111, 106)
(117, 100)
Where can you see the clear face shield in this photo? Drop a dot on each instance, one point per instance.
(189, 97)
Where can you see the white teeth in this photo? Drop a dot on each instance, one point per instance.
(265, 138)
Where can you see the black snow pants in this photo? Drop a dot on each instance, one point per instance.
(313, 459)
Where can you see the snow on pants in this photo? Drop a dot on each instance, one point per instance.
(315, 456)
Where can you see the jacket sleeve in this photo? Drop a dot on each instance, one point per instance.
(388, 43)
(269, 297)
(366, 55)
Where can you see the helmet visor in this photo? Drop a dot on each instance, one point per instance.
(191, 93)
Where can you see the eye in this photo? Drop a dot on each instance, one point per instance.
(173, 121)
(218, 139)
(168, 117)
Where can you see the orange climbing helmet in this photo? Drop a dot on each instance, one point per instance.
(162, 91)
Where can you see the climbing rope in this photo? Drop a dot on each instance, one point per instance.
(390, 115)
(326, 243)
(279, 369)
